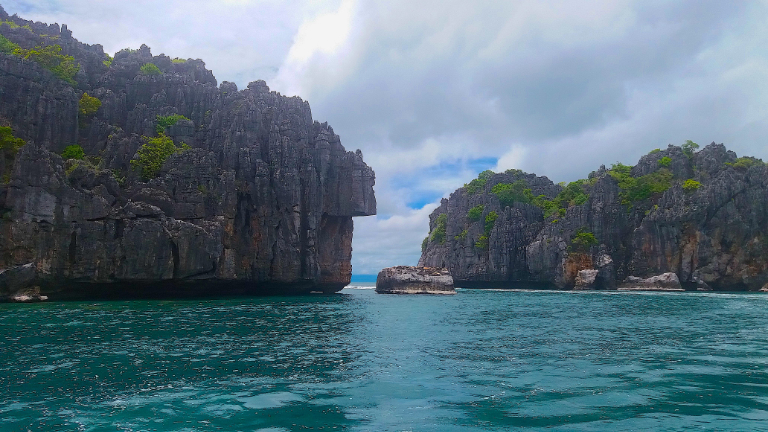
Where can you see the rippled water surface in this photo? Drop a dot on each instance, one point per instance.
(479, 360)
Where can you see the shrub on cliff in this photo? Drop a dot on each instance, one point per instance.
(634, 189)
(9, 146)
(490, 220)
(510, 193)
(6, 46)
(163, 122)
(438, 234)
(582, 241)
(150, 69)
(478, 184)
(665, 161)
(154, 153)
(689, 148)
(50, 57)
(88, 105)
(744, 163)
(73, 151)
(691, 185)
(572, 194)
(475, 213)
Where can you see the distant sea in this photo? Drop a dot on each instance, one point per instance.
(358, 361)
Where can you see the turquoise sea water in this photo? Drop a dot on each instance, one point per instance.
(479, 360)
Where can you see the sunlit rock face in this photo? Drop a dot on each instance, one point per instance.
(702, 216)
(262, 202)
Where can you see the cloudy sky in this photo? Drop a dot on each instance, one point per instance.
(434, 92)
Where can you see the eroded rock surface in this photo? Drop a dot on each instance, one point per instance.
(701, 215)
(414, 280)
(262, 202)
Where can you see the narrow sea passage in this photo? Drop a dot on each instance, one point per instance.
(358, 361)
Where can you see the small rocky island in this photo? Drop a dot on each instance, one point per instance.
(682, 218)
(140, 175)
(414, 280)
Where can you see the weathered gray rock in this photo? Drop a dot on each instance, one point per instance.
(261, 203)
(714, 236)
(585, 280)
(414, 280)
(662, 282)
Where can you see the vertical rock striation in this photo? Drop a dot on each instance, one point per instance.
(261, 202)
(702, 216)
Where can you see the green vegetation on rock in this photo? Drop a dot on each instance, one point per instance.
(6, 46)
(510, 193)
(178, 60)
(438, 234)
(665, 161)
(582, 241)
(490, 220)
(88, 105)
(154, 153)
(9, 146)
(689, 148)
(50, 57)
(691, 185)
(572, 194)
(478, 184)
(744, 163)
(108, 61)
(634, 189)
(654, 151)
(73, 151)
(424, 244)
(150, 69)
(461, 236)
(475, 213)
(163, 122)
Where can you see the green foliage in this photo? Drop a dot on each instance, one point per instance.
(461, 236)
(151, 69)
(9, 143)
(490, 220)
(9, 146)
(178, 60)
(665, 161)
(89, 105)
(10, 24)
(108, 61)
(634, 189)
(475, 213)
(73, 151)
(509, 193)
(154, 153)
(478, 184)
(744, 163)
(654, 151)
(572, 194)
(50, 57)
(424, 244)
(163, 122)
(691, 185)
(438, 234)
(583, 240)
(6, 46)
(482, 242)
(689, 148)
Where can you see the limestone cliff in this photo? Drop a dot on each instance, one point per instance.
(702, 215)
(262, 201)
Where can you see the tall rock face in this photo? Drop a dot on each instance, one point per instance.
(261, 202)
(700, 215)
